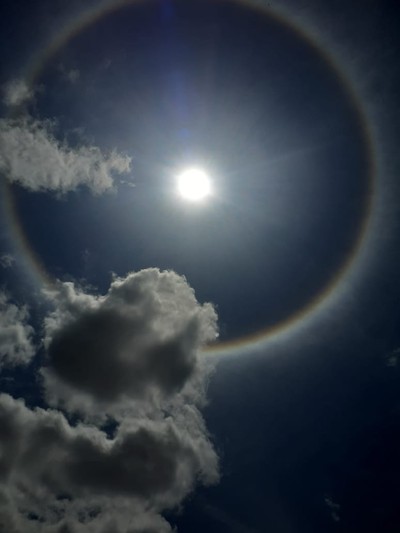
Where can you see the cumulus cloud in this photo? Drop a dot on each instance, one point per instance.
(16, 345)
(31, 156)
(16, 92)
(138, 343)
(141, 340)
(55, 477)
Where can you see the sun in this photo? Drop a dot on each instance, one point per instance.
(194, 184)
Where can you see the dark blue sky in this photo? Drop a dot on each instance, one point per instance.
(307, 429)
(237, 92)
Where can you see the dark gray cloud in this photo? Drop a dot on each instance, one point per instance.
(31, 155)
(140, 341)
(16, 346)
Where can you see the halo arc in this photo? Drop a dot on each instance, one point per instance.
(351, 266)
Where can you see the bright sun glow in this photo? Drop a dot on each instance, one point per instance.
(194, 184)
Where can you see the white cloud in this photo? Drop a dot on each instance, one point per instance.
(16, 92)
(16, 345)
(140, 341)
(130, 357)
(55, 477)
(156, 461)
(31, 155)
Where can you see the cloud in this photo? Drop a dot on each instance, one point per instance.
(16, 345)
(72, 75)
(334, 508)
(56, 477)
(139, 341)
(31, 156)
(132, 355)
(7, 260)
(392, 358)
(16, 92)
(230, 522)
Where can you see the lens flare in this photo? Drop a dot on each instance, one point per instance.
(194, 184)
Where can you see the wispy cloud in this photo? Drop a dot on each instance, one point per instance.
(333, 507)
(221, 516)
(71, 75)
(16, 92)
(392, 358)
(7, 260)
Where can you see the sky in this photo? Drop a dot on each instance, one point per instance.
(224, 365)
